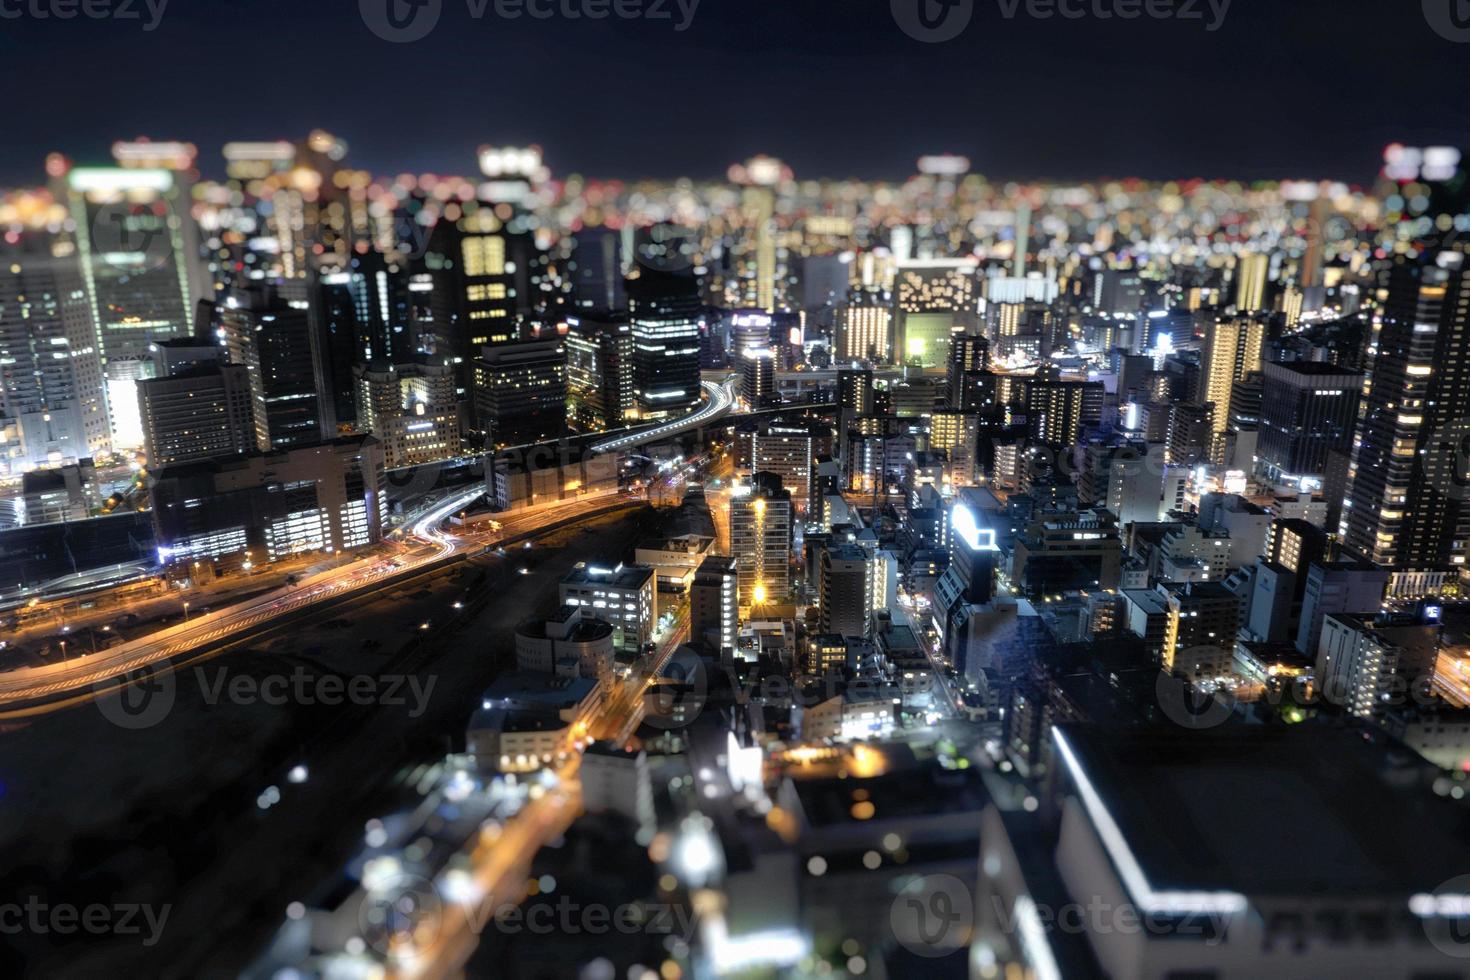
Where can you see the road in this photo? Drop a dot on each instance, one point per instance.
(719, 399)
(498, 868)
(99, 673)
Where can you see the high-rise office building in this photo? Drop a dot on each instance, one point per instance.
(758, 377)
(1231, 350)
(520, 392)
(139, 260)
(411, 410)
(1406, 508)
(596, 268)
(789, 451)
(760, 537)
(200, 413)
(51, 382)
(481, 274)
(1308, 409)
(845, 598)
(713, 613)
(967, 353)
(933, 300)
(1251, 272)
(667, 316)
(864, 328)
(272, 337)
(600, 388)
(363, 313)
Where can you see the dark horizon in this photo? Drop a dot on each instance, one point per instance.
(834, 97)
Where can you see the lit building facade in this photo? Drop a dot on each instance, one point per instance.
(760, 537)
(327, 497)
(521, 392)
(411, 410)
(600, 392)
(1406, 509)
(667, 317)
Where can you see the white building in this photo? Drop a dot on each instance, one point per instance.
(623, 595)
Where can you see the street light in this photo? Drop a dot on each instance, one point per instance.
(186, 610)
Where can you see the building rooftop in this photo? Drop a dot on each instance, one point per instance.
(1313, 368)
(1318, 809)
(612, 576)
(528, 687)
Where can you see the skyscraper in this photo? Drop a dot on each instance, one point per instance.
(51, 383)
(600, 371)
(1308, 409)
(758, 377)
(846, 590)
(1232, 349)
(597, 270)
(1406, 508)
(481, 274)
(864, 330)
(787, 450)
(272, 337)
(760, 537)
(520, 392)
(134, 239)
(967, 353)
(934, 299)
(713, 614)
(1251, 270)
(666, 315)
(411, 410)
(200, 413)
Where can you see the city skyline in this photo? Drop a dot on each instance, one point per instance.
(1019, 95)
(670, 490)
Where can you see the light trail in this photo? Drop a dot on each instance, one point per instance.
(721, 398)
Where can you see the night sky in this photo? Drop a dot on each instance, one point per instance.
(1285, 88)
